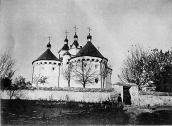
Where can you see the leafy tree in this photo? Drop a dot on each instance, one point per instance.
(85, 73)
(5, 83)
(133, 67)
(21, 83)
(142, 67)
(14, 88)
(161, 64)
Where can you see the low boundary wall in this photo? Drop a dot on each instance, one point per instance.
(155, 98)
(61, 95)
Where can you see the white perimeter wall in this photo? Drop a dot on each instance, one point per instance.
(145, 100)
(61, 95)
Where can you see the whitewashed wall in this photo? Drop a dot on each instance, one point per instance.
(134, 92)
(145, 100)
(118, 89)
(61, 95)
(152, 100)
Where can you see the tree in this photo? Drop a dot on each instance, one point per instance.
(21, 83)
(67, 73)
(39, 79)
(5, 83)
(14, 88)
(85, 73)
(6, 71)
(133, 67)
(144, 66)
(6, 65)
(161, 64)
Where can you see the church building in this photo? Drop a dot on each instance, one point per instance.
(73, 66)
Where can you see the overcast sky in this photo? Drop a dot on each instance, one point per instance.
(116, 24)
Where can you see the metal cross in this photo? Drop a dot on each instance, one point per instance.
(89, 29)
(66, 32)
(75, 28)
(49, 37)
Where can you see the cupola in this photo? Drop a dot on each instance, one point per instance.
(89, 37)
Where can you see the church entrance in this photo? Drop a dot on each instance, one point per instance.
(126, 95)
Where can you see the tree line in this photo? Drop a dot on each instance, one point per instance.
(148, 67)
(7, 81)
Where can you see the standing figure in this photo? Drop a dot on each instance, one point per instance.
(120, 105)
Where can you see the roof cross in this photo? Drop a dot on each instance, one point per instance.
(89, 29)
(49, 38)
(66, 33)
(75, 28)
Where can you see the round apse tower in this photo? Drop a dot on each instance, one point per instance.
(46, 69)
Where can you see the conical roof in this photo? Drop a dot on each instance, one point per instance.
(75, 43)
(47, 55)
(65, 47)
(89, 50)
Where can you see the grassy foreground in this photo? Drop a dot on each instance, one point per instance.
(23, 112)
(40, 112)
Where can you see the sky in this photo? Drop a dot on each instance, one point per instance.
(116, 25)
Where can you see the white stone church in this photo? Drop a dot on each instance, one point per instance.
(73, 66)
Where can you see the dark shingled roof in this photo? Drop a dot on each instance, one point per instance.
(75, 43)
(67, 53)
(47, 55)
(89, 50)
(65, 47)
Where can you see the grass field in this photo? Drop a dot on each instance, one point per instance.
(25, 112)
(21, 112)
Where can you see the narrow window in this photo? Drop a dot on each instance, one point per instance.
(96, 80)
(85, 64)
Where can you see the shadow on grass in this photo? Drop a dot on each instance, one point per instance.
(22, 112)
(162, 117)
